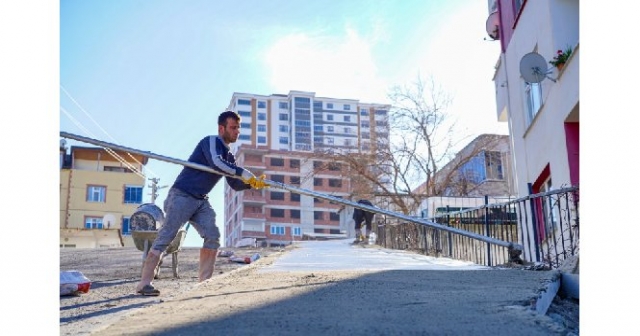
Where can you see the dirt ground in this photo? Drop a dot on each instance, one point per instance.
(114, 273)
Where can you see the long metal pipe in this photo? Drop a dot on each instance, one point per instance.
(510, 245)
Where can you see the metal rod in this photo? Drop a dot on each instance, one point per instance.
(299, 191)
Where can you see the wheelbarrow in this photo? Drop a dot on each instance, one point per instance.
(145, 224)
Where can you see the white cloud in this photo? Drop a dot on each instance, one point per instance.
(331, 66)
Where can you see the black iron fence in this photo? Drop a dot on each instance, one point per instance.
(545, 224)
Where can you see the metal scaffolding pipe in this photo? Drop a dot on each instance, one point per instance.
(513, 247)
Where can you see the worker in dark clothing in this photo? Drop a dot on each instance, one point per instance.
(359, 216)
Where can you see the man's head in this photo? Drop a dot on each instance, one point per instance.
(229, 126)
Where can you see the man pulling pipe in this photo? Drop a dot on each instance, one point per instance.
(187, 200)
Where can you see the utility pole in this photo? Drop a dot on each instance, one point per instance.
(154, 188)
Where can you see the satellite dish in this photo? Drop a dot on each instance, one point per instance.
(533, 68)
(493, 25)
(109, 221)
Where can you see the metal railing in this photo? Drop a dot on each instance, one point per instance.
(545, 224)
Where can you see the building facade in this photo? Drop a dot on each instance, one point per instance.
(287, 138)
(99, 191)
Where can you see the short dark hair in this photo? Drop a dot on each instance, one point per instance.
(222, 118)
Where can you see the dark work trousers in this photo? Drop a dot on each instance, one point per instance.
(360, 215)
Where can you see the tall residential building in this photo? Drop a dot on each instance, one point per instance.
(99, 191)
(287, 138)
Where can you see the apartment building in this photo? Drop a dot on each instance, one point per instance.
(99, 191)
(544, 114)
(289, 139)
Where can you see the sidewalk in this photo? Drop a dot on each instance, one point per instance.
(334, 288)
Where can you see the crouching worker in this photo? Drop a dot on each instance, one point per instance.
(359, 216)
(187, 200)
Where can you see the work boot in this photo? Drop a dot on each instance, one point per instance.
(207, 263)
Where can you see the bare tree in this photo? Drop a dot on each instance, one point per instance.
(404, 167)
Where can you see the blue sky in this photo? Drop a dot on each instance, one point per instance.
(154, 75)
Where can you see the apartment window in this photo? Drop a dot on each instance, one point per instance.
(330, 117)
(334, 217)
(277, 230)
(133, 194)
(126, 227)
(317, 128)
(244, 114)
(330, 129)
(335, 166)
(244, 137)
(262, 128)
(283, 105)
(319, 215)
(346, 107)
(297, 231)
(283, 117)
(335, 183)
(347, 142)
(365, 135)
(245, 125)
(294, 197)
(294, 163)
(347, 130)
(283, 128)
(262, 104)
(330, 106)
(295, 213)
(364, 112)
(347, 118)
(283, 140)
(493, 165)
(93, 222)
(317, 182)
(295, 180)
(277, 213)
(262, 116)
(278, 178)
(364, 123)
(278, 162)
(117, 169)
(244, 102)
(277, 196)
(329, 140)
(262, 139)
(533, 92)
(96, 193)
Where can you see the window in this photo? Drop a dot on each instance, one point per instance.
(317, 182)
(277, 230)
(245, 125)
(262, 116)
(294, 163)
(262, 139)
(262, 104)
(126, 227)
(93, 222)
(283, 140)
(347, 130)
(244, 137)
(347, 118)
(365, 135)
(493, 165)
(244, 102)
(364, 112)
(277, 213)
(277, 196)
(133, 194)
(96, 193)
(347, 107)
(297, 231)
(295, 213)
(335, 166)
(278, 178)
(244, 114)
(317, 128)
(317, 164)
(330, 129)
(283, 117)
(118, 169)
(295, 180)
(364, 123)
(533, 91)
(329, 140)
(330, 106)
(335, 183)
(294, 197)
(334, 217)
(283, 128)
(283, 105)
(347, 142)
(317, 200)
(319, 215)
(278, 162)
(330, 117)
(262, 128)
